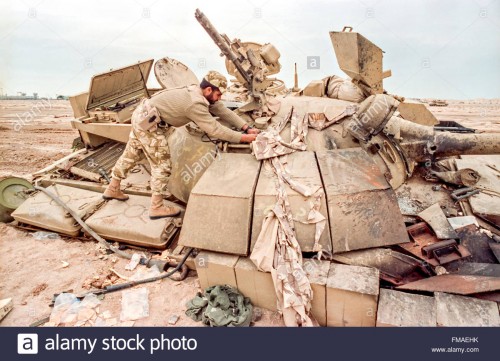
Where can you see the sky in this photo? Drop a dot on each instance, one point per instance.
(434, 48)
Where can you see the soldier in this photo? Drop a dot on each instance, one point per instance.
(155, 119)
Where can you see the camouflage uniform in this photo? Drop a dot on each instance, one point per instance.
(174, 107)
(150, 144)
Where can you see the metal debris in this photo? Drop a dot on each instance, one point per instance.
(436, 219)
(458, 284)
(428, 247)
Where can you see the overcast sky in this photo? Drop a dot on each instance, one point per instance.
(442, 49)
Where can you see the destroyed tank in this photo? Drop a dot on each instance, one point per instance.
(378, 159)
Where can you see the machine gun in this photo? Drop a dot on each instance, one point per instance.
(250, 63)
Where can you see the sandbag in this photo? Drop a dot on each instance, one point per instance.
(343, 89)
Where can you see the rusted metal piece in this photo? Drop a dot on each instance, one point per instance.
(436, 219)
(474, 269)
(452, 126)
(495, 248)
(422, 237)
(417, 194)
(477, 243)
(417, 113)
(487, 203)
(457, 284)
(395, 267)
(464, 177)
(351, 171)
(362, 208)
(463, 193)
(441, 250)
(489, 296)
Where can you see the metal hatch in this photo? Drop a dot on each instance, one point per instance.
(117, 84)
(171, 73)
(359, 58)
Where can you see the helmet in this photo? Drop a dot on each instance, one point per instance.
(217, 80)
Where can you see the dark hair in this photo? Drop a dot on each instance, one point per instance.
(205, 84)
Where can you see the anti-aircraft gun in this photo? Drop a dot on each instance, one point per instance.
(250, 63)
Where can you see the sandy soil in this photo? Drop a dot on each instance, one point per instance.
(32, 271)
(480, 114)
(33, 134)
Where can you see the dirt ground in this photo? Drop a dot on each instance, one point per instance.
(35, 134)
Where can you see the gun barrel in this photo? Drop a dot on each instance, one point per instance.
(420, 141)
(222, 44)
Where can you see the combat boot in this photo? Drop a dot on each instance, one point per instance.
(158, 209)
(113, 191)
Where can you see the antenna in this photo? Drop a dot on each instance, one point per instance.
(295, 80)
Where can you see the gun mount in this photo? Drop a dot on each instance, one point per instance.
(250, 63)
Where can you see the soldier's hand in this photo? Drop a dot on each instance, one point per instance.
(253, 131)
(248, 138)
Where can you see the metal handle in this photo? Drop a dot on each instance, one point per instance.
(347, 27)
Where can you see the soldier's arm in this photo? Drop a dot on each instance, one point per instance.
(220, 110)
(199, 114)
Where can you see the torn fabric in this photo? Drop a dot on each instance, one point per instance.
(277, 250)
(330, 115)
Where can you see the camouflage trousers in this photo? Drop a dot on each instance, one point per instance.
(150, 144)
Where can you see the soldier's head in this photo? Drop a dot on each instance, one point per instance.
(213, 85)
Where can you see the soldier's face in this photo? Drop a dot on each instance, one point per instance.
(213, 96)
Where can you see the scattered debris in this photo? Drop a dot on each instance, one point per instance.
(39, 289)
(477, 243)
(436, 219)
(134, 261)
(135, 304)
(100, 280)
(453, 283)
(41, 235)
(395, 267)
(145, 273)
(70, 311)
(173, 319)
(440, 270)
(495, 248)
(463, 177)
(120, 275)
(6, 306)
(428, 247)
(459, 222)
(475, 269)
